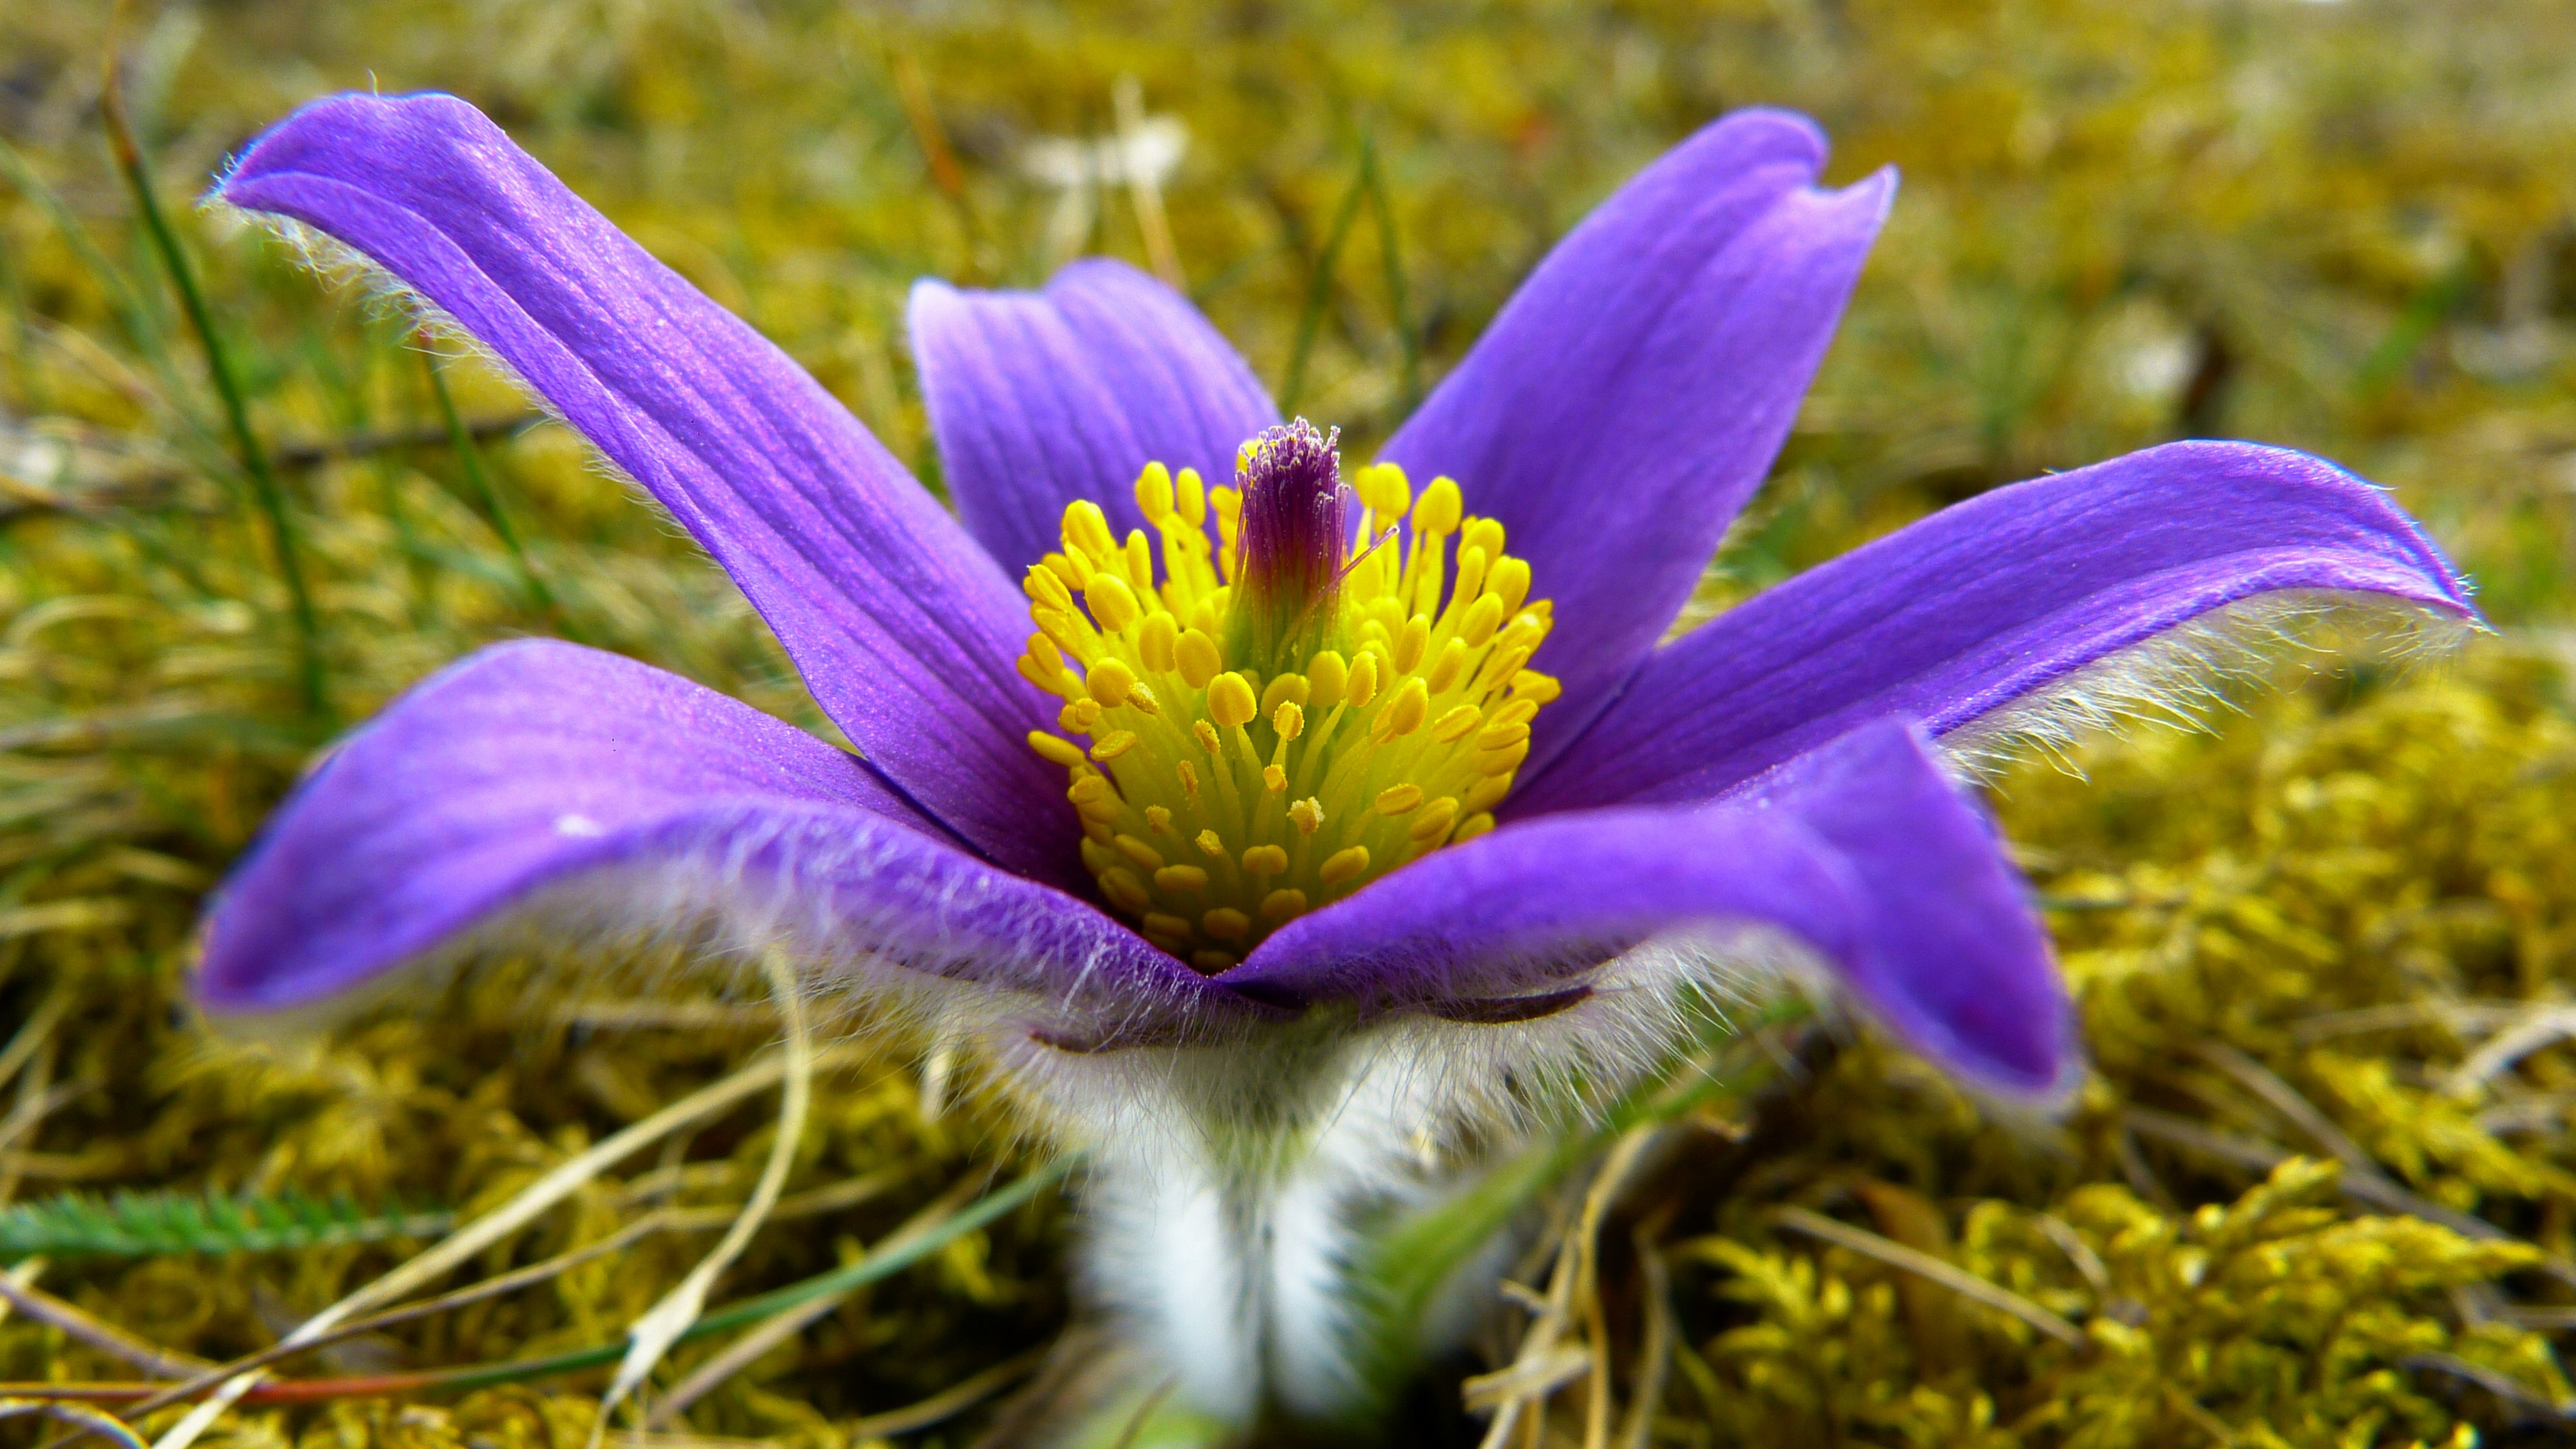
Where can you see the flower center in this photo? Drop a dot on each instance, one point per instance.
(1275, 724)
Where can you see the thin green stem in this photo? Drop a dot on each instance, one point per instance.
(1319, 289)
(265, 489)
(488, 498)
(1407, 343)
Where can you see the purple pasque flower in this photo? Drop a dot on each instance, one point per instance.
(1196, 780)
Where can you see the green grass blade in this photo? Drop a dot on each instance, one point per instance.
(1319, 288)
(265, 488)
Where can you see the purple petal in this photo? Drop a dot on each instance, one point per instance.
(1864, 852)
(905, 631)
(1634, 392)
(541, 765)
(1989, 604)
(1042, 398)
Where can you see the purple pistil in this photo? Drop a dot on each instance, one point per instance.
(1295, 533)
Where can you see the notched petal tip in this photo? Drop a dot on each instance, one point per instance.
(1635, 390)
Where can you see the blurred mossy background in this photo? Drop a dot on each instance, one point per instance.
(2342, 926)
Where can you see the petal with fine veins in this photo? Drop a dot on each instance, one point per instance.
(523, 773)
(903, 628)
(1635, 390)
(1863, 851)
(1042, 398)
(1991, 605)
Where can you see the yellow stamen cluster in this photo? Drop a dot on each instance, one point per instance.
(1217, 804)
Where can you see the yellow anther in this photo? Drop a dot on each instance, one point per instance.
(1438, 509)
(1471, 827)
(1488, 792)
(1496, 736)
(1140, 563)
(1114, 744)
(1229, 515)
(1274, 778)
(1265, 860)
(1086, 530)
(1212, 962)
(1199, 660)
(1043, 586)
(1410, 642)
(1453, 662)
(1140, 698)
(1055, 751)
(1230, 701)
(1226, 923)
(1483, 617)
(1518, 711)
(1122, 887)
(1139, 852)
(1158, 820)
(1158, 643)
(1307, 815)
(1188, 775)
(1112, 602)
(1181, 878)
(1386, 491)
(1060, 629)
(1161, 923)
(1289, 720)
(1362, 686)
(1326, 674)
(1496, 762)
(1286, 689)
(1193, 498)
(1206, 735)
(1405, 712)
(1087, 788)
(1538, 688)
(1072, 572)
(1209, 844)
(1099, 812)
(1097, 857)
(1452, 727)
(1485, 534)
(1509, 581)
(1471, 574)
(1109, 683)
(1154, 493)
(1434, 820)
(1502, 664)
(1050, 678)
(1341, 865)
(1397, 799)
(1281, 904)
